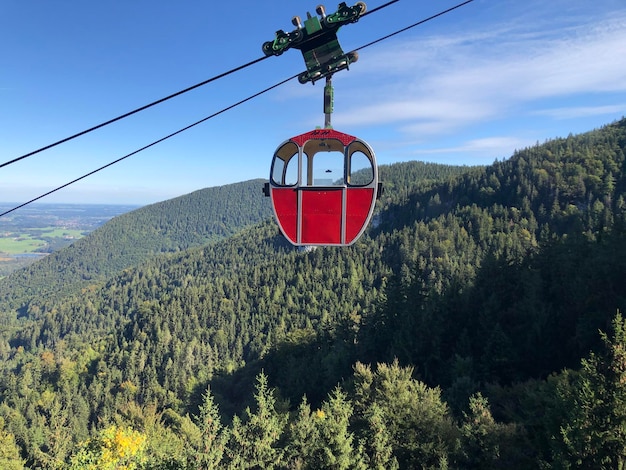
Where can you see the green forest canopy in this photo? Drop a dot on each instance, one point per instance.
(461, 331)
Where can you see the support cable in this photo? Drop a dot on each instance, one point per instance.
(150, 145)
(212, 115)
(154, 103)
(441, 13)
(135, 111)
(379, 8)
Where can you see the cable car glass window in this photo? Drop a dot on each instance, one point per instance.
(328, 169)
(324, 161)
(360, 166)
(285, 165)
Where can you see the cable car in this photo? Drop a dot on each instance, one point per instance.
(323, 183)
(323, 187)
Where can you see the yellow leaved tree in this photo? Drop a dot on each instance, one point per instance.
(114, 448)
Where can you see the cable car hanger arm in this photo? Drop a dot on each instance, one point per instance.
(313, 28)
(317, 41)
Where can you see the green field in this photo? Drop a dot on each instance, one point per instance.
(33, 232)
(33, 240)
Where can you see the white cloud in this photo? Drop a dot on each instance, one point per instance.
(582, 111)
(410, 108)
(489, 145)
(475, 76)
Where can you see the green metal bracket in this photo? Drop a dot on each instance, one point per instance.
(346, 14)
(317, 40)
(312, 25)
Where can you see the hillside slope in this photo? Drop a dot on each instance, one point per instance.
(174, 225)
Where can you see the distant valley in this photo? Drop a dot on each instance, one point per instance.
(35, 231)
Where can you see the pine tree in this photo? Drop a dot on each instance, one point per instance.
(213, 436)
(480, 435)
(379, 441)
(9, 451)
(254, 443)
(594, 432)
(421, 433)
(303, 437)
(338, 449)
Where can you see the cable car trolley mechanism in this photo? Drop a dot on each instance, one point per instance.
(324, 183)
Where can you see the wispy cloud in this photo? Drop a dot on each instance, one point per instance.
(462, 78)
(582, 111)
(491, 146)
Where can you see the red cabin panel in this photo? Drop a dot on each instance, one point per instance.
(285, 202)
(358, 207)
(320, 134)
(321, 216)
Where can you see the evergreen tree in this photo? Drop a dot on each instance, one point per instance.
(421, 431)
(303, 438)
(378, 442)
(487, 444)
(337, 449)
(213, 436)
(594, 432)
(9, 451)
(254, 443)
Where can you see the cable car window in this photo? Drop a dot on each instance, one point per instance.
(328, 169)
(325, 161)
(285, 165)
(360, 166)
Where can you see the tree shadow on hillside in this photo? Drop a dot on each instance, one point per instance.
(517, 320)
(305, 363)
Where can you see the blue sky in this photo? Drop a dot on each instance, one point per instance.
(466, 88)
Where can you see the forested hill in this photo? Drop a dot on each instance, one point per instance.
(174, 225)
(195, 219)
(476, 302)
(568, 185)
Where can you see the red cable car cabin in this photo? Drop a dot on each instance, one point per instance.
(323, 187)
